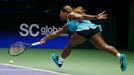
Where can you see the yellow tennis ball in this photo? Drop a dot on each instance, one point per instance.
(11, 61)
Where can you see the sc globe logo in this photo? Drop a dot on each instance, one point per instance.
(29, 30)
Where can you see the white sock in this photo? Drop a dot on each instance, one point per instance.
(60, 60)
(118, 55)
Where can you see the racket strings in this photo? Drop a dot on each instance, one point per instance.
(17, 48)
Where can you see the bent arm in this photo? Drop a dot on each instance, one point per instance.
(78, 17)
(90, 17)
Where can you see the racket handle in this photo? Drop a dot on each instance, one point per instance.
(36, 43)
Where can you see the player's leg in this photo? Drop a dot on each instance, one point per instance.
(74, 40)
(99, 42)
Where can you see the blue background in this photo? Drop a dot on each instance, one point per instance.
(9, 38)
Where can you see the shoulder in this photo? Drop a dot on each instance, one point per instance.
(74, 15)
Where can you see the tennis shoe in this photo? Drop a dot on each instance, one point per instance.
(55, 60)
(123, 62)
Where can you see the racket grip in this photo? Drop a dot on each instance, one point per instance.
(36, 43)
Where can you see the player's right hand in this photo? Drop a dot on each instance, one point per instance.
(42, 41)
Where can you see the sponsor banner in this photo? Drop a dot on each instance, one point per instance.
(33, 33)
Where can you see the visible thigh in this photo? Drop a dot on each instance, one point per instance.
(76, 39)
(98, 41)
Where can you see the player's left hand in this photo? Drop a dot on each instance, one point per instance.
(102, 15)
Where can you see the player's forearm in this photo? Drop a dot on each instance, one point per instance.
(50, 36)
(90, 17)
(54, 34)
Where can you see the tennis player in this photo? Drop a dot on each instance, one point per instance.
(79, 23)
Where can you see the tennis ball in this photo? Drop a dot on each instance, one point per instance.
(11, 61)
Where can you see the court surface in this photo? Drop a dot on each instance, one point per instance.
(8, 69)
(80, 62)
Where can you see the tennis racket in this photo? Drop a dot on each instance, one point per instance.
(19, 47)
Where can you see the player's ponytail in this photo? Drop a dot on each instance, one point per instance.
(79, 10)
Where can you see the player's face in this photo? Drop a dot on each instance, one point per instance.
(63, 16)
